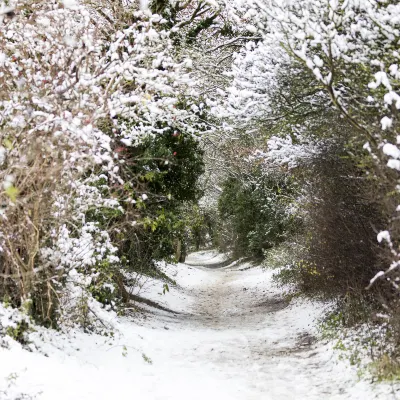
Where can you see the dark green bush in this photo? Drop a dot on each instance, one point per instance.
(166, 168)
(254, 212)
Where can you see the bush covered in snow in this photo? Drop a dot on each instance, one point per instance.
(98, 111)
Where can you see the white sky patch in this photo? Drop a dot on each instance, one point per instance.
(394, 164)
(391, 150)
(386, 123)
(3, 154)
(144, 4)
(384, 235)
(71, 4)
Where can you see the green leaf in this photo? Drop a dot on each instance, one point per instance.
(12, 192)
(165, 288)
(7, 143)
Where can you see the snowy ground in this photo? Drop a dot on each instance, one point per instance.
(232, 336)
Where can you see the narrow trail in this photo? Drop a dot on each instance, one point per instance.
(233, 337)
(251, 335)
(254, 339)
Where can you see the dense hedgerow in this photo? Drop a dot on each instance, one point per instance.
(94, 179)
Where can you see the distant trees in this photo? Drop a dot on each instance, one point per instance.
(255, 212)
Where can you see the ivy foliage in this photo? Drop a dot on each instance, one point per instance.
(170, 165)
(167, 167)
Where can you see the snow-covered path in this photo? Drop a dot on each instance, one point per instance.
(233, 336)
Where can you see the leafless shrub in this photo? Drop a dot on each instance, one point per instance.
(342, 219)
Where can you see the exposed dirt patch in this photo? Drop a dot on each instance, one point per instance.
(213, 265)
(305, 340)
(273, 305)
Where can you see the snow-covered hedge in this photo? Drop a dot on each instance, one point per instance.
(77, 80)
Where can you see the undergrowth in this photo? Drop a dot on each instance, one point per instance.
(367, 347)
(366, 343)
